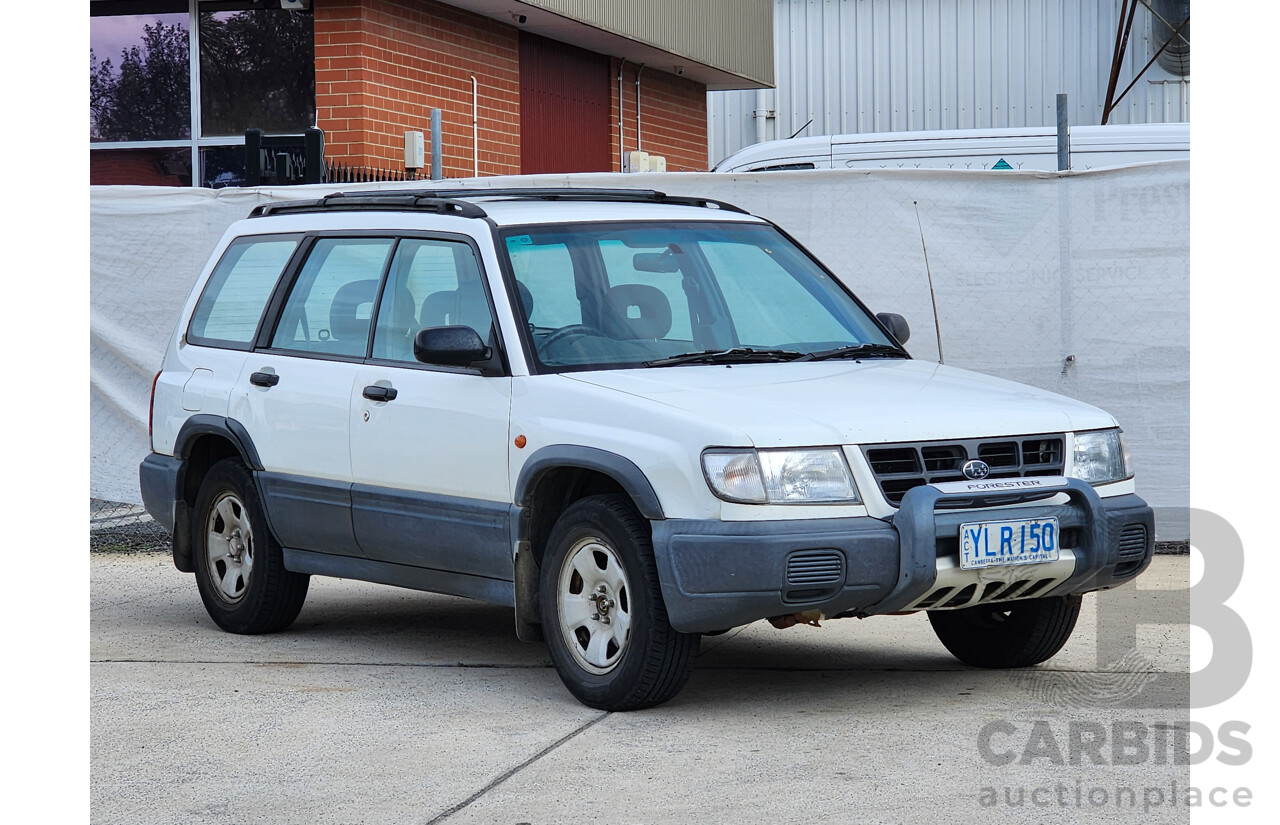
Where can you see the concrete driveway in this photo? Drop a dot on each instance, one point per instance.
(382, 705)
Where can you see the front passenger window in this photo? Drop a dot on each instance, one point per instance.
(433, 283)
(330, 308)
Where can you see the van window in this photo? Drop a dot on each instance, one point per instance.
(784, 167)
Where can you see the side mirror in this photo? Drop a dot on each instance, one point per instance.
(449, 346)
(896, 324)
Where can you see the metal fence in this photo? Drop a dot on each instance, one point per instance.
(291, 160)
(114, 525)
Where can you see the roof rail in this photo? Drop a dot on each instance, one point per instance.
(581, 194)
(396, 201)
(449, 201)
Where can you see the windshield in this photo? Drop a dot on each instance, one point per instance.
(601, 296)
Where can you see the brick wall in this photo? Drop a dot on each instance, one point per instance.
(673, 117)
(382, 65)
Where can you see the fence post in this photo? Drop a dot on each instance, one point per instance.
(1064, 136)
(252, 157)
(313, 154)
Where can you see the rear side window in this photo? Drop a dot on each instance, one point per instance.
(237, 292)
(330, 308)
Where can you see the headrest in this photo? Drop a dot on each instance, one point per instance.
(526, 299)
(437, 306)
(637, 311)
(346, 321)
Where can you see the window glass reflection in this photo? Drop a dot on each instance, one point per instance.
(140, 167)
(257, 69)
(139, 72)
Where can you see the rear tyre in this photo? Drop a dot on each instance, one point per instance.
(1010, 634)
(603, 615)
(239, 565)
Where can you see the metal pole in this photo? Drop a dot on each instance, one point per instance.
(437, 141)
(475, 128)
(1064, 136)
(622, 147)
(1117, 55)
(1151, 62)
(193, 49)
(639, 136)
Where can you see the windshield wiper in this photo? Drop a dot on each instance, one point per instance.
(736, 355)
(857, 351)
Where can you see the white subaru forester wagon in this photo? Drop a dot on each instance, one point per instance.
(635, 418)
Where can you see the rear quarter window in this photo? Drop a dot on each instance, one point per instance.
(237, 292)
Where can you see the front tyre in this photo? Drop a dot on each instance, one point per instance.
(603, 616)
(239, 565)
(1008, 634)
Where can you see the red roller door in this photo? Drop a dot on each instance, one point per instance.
(564, 108)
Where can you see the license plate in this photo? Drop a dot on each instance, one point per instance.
(998, 543)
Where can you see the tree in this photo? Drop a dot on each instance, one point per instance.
(257, 70)
(149, 96)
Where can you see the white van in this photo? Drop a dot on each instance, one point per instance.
(1027, 148)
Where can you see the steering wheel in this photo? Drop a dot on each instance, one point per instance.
(569, 331)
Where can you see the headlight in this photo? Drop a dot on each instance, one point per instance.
(780, 476)
(1101, 457)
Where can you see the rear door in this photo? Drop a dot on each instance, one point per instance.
(204, 374)
(295, 394)
(429, 444)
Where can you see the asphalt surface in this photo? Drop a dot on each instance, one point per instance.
(382, 705)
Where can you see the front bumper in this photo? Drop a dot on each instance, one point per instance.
(717, 575)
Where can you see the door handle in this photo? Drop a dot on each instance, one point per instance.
(264, 379)
(377, 393)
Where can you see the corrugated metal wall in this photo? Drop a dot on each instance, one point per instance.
(730, 34)
(907, 65)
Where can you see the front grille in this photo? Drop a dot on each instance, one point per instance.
(901, 467)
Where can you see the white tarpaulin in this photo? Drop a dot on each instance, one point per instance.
(1076, 283)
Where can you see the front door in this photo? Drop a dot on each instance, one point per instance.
(429, 444)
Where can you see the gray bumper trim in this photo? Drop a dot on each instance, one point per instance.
(716, 575)
(158, 480)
